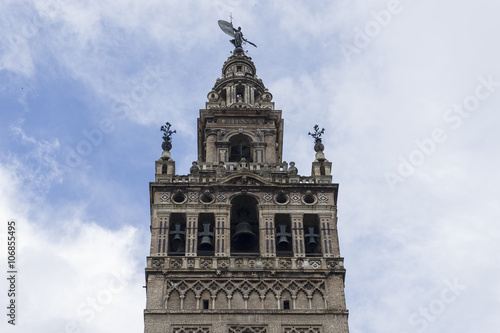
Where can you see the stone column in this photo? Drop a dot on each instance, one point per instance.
(327, 235)
(222, 235)
(270, 140)
(191, 235)
(298, 235)
(267, 236)
(159, 230)
(211, 150)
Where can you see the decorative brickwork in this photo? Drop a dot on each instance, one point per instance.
(246, 291)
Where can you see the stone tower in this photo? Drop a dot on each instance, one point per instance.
(243, 243)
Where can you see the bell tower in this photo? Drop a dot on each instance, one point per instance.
(243, 243)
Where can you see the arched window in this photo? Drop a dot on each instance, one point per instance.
(240, 147)
(244, 226)
(206, 223)
(240, 94)
(177, 234)
(284, 246)
(312, 236)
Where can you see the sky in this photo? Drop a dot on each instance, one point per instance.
(408, 93)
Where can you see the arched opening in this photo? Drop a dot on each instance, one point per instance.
(223, 95)
(240, 147)
(312, 236)
(286, 300)
(240, 94)
(205, 300)
(206, 224)
(177, 234)
(244, 226)
(283, 235)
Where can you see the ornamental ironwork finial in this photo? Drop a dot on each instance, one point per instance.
(318, 146)
(167, 136)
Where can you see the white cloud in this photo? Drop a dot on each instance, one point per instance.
(72, 272)
(439, 223)
(38, 167)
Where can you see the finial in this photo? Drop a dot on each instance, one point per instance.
(318, 146)
(167, 136)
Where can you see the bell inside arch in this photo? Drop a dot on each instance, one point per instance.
(282, 242)
(206, 235)
(244, 225)
(311, 243)
(244, 238)
(177, 238)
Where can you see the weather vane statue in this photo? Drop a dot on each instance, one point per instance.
(237, 35)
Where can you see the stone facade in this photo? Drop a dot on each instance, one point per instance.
(243, 243)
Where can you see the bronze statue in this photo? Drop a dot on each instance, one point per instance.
(238, 40)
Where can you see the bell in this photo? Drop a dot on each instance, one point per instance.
(206, 244)
(312, 243)
(282, 244)
(206, 238)
(244, 238)
(181, 247)
(177, 241)
(177, 244)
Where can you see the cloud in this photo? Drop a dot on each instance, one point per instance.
(39, 168)
(81, 274)
(401, 245)
(84, 276)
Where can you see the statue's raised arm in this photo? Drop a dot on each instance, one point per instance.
(237, 35)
